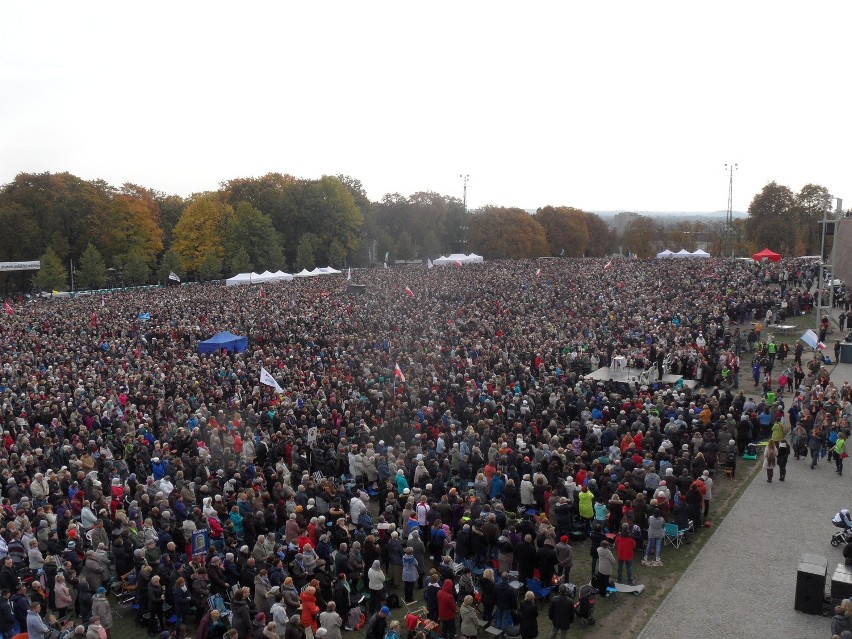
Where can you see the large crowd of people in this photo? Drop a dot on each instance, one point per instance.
(438, 438)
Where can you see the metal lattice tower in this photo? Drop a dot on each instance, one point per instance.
(729, 218)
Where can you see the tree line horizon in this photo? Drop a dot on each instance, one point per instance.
(132, 235)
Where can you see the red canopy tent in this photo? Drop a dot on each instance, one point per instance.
(766, 256)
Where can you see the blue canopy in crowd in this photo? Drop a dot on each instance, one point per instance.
(223, 340)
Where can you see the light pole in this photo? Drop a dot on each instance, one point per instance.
(464, 177)
(729, 218)
(822, 265)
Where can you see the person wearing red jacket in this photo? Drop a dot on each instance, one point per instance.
(625, 546)
(447, 609)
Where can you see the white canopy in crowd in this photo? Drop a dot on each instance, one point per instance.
(461, 258)
(258, 278)
(681, 254)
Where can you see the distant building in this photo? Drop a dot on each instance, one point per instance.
(620, 221)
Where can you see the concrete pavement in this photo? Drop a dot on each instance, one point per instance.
(743, 582)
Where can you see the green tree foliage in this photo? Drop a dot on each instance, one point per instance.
(199, 232)
(809, 205)
(135, 268)
(252, 231)
(432, 222)
(772, 220)
(601, 236)
(211, 267)
(92, 272)
(171, 208)
(565, 228)
(61, 205)
(498, 232)
(404, 249)
(240, 262)
(336, 254)
(52, 274)
(170, 263)
(640, 237)
(306, 252)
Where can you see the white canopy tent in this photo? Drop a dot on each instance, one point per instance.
(240, 279)
(682, 253)
(664, 254)
(304, 273)
(461, 258)
(281, 275)
(700, 253)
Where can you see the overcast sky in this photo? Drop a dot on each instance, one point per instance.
(600, 105)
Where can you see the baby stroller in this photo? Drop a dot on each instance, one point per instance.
(584, 608)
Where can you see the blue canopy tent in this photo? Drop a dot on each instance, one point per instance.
(223, 340)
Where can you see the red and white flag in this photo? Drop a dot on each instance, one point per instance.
(457, 263)
(608, 265)
(261, 292)
(538, 272)
(821, 346)
(8, 308)
(409, 292)
(397, 371)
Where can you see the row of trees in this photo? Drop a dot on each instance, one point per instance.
(133, 235)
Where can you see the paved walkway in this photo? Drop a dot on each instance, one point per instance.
(743, 582)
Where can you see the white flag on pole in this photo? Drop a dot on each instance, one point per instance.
(269, 380)
(349, 275)
(429, 264)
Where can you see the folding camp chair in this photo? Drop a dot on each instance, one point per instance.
(540, 592)
(674, 535)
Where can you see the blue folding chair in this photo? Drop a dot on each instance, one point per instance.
(535, 587)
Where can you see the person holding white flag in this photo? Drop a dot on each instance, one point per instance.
(269, 380)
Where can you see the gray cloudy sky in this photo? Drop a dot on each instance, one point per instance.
(599, 105)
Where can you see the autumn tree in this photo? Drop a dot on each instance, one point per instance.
(92, 272)
(640, 237)
(199, 232)
(52, 274)
(601, 236)
(239, 262)
(129, 224)
(772, 219)
(565, 228)
(498, 232)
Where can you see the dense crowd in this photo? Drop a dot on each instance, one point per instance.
(468, 471)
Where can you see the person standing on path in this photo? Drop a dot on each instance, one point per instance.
(840, 451)
(770, 459)
(783, 455)
(815, 443)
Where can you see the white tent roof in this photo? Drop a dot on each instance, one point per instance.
(682, 253)
(281, 275)
(700, 253)
(240, 279)
(304, 273)
(473, 257)
(664, 254)
(453, 258)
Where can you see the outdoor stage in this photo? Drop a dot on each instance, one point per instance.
(637, 375)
